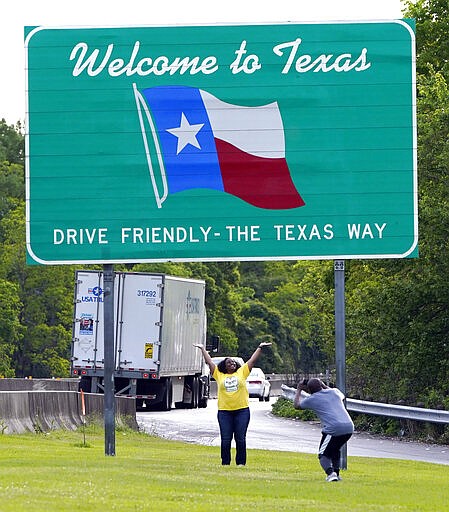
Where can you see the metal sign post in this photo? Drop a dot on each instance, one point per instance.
(109, 395)
(340, 337)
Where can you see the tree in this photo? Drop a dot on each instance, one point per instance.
(11, 330)
(44, 304)
(258, 322)
(432, 35)
(397, 313)
(12, 146)
(12, 187)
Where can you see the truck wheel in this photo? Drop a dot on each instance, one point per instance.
(203, 394)
(202, 403)
(195, 387)
(168, 396)
(192, 385)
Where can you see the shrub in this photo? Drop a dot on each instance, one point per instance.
(284, 408)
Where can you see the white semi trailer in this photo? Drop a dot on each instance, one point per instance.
(157, 319)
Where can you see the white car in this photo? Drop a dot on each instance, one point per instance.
(258, 385)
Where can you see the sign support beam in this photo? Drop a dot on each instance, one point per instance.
(109, 392)
(340, 337)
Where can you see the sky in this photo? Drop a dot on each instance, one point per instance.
(55, 13)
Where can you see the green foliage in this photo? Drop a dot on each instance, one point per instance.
(265, 276)
(378, 425)
(259, 323)
(304, 301)
(11, 330)
(12, 189)
(12, 146)
(284, 408)
(432, 33)
(397, 311)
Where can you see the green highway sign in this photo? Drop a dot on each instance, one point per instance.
(224, 142)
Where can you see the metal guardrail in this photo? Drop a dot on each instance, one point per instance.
(380, 409)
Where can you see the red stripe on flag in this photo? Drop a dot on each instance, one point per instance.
(262, 182)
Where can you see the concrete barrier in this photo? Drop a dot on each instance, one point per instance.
(125, 409)
(15, 414)
(43, 411)
(39, 384)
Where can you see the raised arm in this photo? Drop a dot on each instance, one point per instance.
(300, 395)
(206, 356)
(252, 360)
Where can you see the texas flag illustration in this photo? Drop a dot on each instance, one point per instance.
(203, 142)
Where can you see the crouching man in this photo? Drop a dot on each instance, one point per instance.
(336, 424)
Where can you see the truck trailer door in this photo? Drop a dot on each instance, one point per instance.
(87, 348)
(139, 322)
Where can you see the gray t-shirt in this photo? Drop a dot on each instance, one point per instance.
(328, 405)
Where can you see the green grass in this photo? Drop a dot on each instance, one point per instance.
(57, 472)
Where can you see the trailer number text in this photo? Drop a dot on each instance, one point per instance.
(146, 293)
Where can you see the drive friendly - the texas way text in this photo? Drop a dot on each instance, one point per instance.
(230, 233)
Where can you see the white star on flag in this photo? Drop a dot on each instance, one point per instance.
(186, 134)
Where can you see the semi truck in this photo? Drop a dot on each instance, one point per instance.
(157, 319)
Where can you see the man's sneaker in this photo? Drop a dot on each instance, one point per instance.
(333, 477)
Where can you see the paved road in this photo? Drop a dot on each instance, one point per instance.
(272, 433)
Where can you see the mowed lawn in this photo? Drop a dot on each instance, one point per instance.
(65, 471)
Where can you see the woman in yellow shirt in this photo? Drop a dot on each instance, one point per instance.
(233, 402)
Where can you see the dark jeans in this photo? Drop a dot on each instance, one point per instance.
(233, 424)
